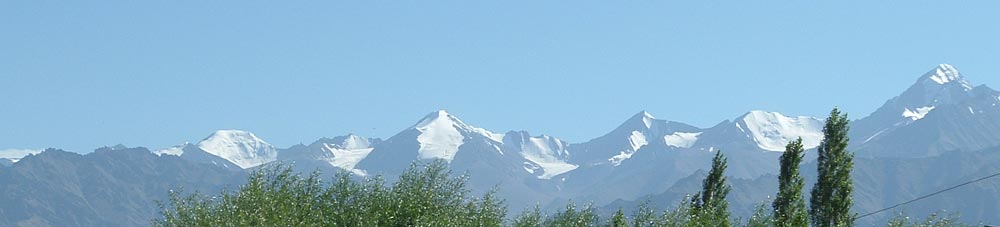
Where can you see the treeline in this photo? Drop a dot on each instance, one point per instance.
(428, 195)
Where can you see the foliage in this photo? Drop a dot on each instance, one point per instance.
(789, 206)
(571, 217)
(830, 203)
(933, 220)
(761, 218)
(709, 207)
(275, 196)
(618, 220)
(529, 218)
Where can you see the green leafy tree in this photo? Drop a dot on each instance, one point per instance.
(932, 220)
(760, 217)
(643, 216)
(529, 218)
(709, 207)
(618, 220)
(679, 216)
(571, 217)
(789, 206)
(275, 196)
(830, 203)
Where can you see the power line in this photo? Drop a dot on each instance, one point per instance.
(929, 195)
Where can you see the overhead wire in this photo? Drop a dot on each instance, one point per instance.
(929, 195)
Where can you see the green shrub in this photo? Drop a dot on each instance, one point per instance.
(276, 196)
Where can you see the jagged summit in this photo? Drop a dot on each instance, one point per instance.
(240, 147)
(942, 85)
(642, 122)
(544, 156)
(945, 74)
(176, 150)
(352, 141)
(929, 109)
(772, 130)
(232, 134)
(349, 141)
(113, 148)
(432, 117)
(442, 120)
(646, 118)
(441, 133)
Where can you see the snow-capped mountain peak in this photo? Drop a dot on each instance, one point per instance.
(545, 156)
(16, 154)
(647, 118)
(346, 151)
(175, 150)
(772, 131)
(942, 84)
(240, 147)
(352, 141)
(442, 133)
(441, 119)
(639, 121)
(945, 74)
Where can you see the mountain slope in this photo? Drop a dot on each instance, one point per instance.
(109, 187)
(545, 156)
(439, 135)
(941, 128)
(940, 112)
(749, 141)
(333, 154)
(879, 183)
(621, 143)
(240, 147)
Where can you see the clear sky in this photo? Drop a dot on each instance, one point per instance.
(78, 75)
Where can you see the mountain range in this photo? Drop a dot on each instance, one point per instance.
(939, 131)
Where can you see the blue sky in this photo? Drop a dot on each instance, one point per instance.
(78, 75)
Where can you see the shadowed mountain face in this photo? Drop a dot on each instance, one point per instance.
(878, 183)
(940, 130)
(941, 112)
(110, 187)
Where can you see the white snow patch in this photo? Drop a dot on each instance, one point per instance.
(346, 158)
(772, 131)
(637, 140)
(647, 119)
(440, 136)
(875, 135)
(242, 148)
(545, 152)
(355, 142)
(175, 150)
(917, 114)
(528, 166)
(945, 73)
(15, 155)
(620, 157)
(682, 139)
(438, 139)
